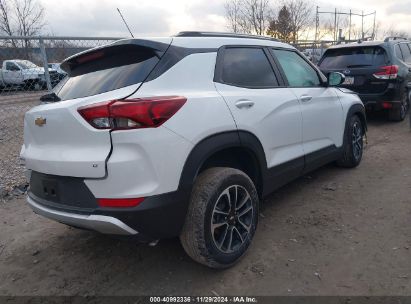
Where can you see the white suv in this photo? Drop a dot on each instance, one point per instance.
(184, 136)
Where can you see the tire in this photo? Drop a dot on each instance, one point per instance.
(353, 146)
(209, 204)
(399, 111)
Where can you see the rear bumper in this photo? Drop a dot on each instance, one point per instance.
(99, 223)
(157, 217)
(391, 94)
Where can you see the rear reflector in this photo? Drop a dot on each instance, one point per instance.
(387, 72)
(135, 113)
(119, 202)
(387, 105)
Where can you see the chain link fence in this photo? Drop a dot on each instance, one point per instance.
(30, 67)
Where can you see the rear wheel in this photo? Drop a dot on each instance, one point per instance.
(222, 217)
(353, 143)
(399, 111)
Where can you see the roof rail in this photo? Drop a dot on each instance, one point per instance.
(222, 34)
(394, 38)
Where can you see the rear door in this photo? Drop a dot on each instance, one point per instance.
(57, 140)
(358, 63)
(321, 108)
(260, 104)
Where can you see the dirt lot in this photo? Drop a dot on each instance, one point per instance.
(13, 105)
(333, 232)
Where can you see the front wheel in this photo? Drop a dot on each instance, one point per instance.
(353, 146)
(222, 217)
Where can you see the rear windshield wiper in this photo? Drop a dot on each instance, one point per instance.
(358, 65)
(51, 97)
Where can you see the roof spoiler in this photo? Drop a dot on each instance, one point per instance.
(158, 47)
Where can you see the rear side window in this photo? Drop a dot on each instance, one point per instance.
(298, 72)
(398, 52)
(406, 53)
(106, 70)
(354, 57)
(247, 67)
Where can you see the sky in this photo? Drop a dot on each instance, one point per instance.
(165, 18)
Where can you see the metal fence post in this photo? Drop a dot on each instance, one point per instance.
(45, 64)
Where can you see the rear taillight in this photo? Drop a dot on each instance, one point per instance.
(136, 113)
(119, 202)
(387, 72)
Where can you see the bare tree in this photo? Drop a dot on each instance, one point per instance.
(248, 16)
(21, 17)
(233, 15)
(30, 16)
(301, 17)
(257, 13)
(5, 22)
(392, 31)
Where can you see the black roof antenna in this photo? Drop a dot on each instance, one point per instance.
(125, 22)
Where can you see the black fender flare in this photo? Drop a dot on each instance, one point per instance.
(218, 142)
(359, 110)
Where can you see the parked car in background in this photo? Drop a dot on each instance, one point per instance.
(60, 72)
(185, 136)
(24, 74)
(379, 71)
(313, 55)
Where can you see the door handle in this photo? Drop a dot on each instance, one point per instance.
(305, 98)
(244, 103)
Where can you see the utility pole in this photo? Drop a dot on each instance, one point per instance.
(349, 29)
(335, 24)
(373, 28)
(362, 25)
(350, 14)
(317, 23)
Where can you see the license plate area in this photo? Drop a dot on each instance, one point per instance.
(61, 191)
(349, 80)
(50, 190)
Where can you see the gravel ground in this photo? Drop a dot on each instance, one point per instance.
(333, 232)
(13, 105)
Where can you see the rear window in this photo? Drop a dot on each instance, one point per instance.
(106, 70)
(353, 57)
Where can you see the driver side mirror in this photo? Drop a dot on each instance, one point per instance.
(335, 79)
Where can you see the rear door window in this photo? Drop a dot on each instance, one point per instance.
(406, 53)
(247, 67)
(353, 57)
(106, 70)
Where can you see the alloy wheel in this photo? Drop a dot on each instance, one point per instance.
(232, 218)
(357, 140)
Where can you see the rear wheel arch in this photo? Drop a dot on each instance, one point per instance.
(236, 149)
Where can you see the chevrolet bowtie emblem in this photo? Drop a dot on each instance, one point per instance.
(40, 121)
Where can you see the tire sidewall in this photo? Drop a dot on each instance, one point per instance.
(220, 257)
(353, 120)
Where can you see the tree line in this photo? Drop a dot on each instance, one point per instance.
(294, 20)
(287, 22)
